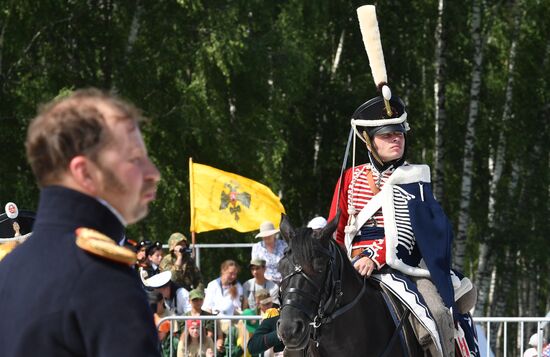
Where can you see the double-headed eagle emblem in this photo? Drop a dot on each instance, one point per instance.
(232, 198)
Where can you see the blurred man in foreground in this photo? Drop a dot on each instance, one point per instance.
(69, 289)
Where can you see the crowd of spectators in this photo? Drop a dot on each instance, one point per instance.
(175, 287)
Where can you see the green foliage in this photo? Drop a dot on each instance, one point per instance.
(248, 87)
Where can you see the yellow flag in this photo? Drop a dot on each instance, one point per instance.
(220, 199)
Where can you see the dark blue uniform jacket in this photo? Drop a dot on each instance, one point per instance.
(58, 300)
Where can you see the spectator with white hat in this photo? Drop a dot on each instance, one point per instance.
(176, 299)
(534, 342)
(269, 249)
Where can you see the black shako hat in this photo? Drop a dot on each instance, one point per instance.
(379, 115)
(372, 117)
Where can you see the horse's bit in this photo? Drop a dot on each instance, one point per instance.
(331, 295)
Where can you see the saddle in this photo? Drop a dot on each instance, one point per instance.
(407, 335)
(410, 333)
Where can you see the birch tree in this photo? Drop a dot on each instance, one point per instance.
(496, 167)
(476, 34)
(439, 98)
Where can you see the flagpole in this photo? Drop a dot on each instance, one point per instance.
(193, 253)
(192, 204)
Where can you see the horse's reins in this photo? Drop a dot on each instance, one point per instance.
(332, 289)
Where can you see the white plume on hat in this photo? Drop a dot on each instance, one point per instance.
(371, 39)
(267, 229)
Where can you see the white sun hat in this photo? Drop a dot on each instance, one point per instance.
(158, 280)
(317, 223)
(267, 229)
(534, 340)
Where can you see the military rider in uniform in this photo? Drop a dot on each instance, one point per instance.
(390, 222)
(367, 244)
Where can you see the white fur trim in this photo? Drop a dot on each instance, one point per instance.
(409, 174)
(402, 175)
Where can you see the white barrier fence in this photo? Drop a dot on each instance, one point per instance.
(217, 319)
(487, 328)
(198, 247)
(511, 341)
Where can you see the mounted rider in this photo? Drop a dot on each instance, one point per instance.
(390, 222)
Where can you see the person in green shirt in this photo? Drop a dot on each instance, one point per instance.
(265, 336)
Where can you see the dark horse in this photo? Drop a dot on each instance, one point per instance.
(325, 301)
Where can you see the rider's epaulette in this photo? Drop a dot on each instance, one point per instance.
(100, 245)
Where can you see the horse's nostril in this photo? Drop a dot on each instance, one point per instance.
(298, 327)
(290, 330)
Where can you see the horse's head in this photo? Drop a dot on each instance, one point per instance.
(306, 270)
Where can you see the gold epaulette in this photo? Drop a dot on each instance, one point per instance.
(99, 244)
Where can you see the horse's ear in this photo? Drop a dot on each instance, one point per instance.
(328, 230)
(286, 228)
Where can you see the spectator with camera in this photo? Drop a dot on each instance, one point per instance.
(180, 263)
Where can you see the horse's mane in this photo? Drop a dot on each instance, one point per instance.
(301, 246)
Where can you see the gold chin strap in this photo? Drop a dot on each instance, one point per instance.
(371, 148)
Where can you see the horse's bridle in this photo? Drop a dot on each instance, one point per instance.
(330, 309)
(328, 301)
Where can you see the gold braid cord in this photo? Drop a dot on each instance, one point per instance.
(99, 244)
(371, 148)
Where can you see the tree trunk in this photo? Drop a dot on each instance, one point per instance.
(499, 308)
(318, 136)
(495, 169)
(8, 12)
(338, 54)
(134, 28)
(106, 8)
(439, 97)
(482, 279)
(466, 187)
